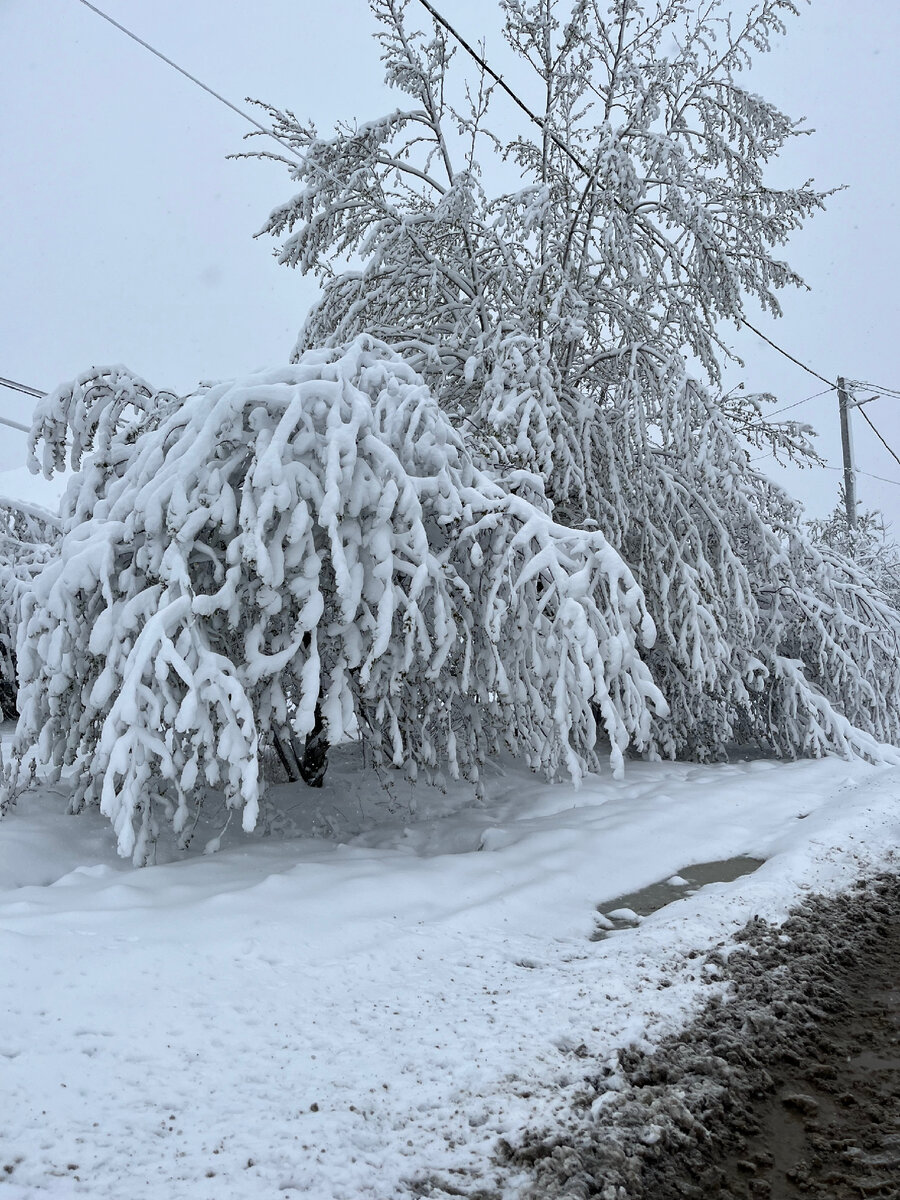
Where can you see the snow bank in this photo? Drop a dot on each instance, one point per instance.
(339, 1018)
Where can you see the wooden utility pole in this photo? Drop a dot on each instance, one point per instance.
(847, 448)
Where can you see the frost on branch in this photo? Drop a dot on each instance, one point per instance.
(314, 545)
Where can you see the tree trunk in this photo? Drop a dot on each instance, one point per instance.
(291, 769)
(313, 762)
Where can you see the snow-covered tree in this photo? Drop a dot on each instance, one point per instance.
(308, 553)
(554, 323)
(644, 218)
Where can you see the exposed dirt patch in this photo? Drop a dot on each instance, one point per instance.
(789, 1089)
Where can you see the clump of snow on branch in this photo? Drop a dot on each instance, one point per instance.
(313, 543)
(89, 425)
(95, 412)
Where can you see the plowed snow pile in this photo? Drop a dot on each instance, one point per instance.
(372, 1000)
(788, 1089)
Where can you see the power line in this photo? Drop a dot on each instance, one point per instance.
(796, 361)
(193, 78)
(499, 80)
(22, 387)
(797, 403)
(15, 424)
(15, 386)
(868, 420)
(216, 95)
(787, 407)
(874, 387)
(829, 467)
(868, 474)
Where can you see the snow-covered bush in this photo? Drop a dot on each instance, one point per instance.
(29, 537)
(553, 324)
(311, 550)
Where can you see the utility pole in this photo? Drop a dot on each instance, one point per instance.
(847, 448)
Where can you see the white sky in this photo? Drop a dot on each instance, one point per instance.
(127, 236)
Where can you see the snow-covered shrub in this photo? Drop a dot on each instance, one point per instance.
(313, 549)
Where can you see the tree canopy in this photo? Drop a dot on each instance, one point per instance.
(556, 324)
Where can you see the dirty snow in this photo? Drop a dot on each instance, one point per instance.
(362, 998)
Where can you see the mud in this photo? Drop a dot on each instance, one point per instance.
(789, 1089)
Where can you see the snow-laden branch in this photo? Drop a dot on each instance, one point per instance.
(93, 412)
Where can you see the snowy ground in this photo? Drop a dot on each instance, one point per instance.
(363, 1002)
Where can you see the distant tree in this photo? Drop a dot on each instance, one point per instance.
(308, 553)
(553, 324)
(869, 545)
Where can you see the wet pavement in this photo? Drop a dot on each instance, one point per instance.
(629, 909)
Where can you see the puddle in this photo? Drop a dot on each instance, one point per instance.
(624, 912)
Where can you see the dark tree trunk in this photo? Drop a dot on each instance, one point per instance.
(313, 762)
(289, 763)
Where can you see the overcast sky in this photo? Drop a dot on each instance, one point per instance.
(127, 235)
